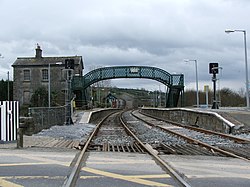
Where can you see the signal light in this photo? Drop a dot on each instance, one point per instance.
(213, 68)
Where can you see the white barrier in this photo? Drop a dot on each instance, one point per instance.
(9, 116)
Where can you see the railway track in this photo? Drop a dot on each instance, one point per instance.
(113, 134)
(218, 143)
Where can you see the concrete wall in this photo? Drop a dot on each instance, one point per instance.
(45, 118)
(28, 125)
(97, 116)
(204, 119)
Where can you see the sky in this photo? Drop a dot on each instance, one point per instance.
(159, 33)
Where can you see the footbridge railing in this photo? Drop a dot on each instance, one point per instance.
(175, 82)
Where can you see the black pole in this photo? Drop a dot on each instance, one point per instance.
(68, 120)
(8, 85)
(215, 104)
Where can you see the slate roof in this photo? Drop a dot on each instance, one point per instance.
(110, 96)
(42, 61)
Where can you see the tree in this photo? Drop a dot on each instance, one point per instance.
(228, 98)
(231, 98)
(4, 90)
(40, 97)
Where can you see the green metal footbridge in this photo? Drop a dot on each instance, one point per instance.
(174, 82)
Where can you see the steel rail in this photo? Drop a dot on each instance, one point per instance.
(72, 179)
(194, 140)
(236, 139)
(164, 164)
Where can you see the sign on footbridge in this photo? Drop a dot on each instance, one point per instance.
(174, 82)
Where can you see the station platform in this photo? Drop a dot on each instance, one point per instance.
(237, 115)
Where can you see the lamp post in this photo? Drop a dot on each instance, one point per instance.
(246, 67)
(8, 77)
(49, 86)
(196, 75)
(58, 63)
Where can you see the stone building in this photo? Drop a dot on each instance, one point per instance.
(31, 73)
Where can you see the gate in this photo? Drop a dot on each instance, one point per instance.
(9, 116)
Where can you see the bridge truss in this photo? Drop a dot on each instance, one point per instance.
(174, 82)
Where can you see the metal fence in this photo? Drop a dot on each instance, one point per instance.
(9, 116)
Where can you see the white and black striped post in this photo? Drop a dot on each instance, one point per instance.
(9, 117)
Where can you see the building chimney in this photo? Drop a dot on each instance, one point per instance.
(38, 51)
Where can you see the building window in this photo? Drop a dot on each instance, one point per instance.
(45, 75)
(26, 75)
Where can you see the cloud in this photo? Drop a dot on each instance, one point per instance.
(158, 33)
